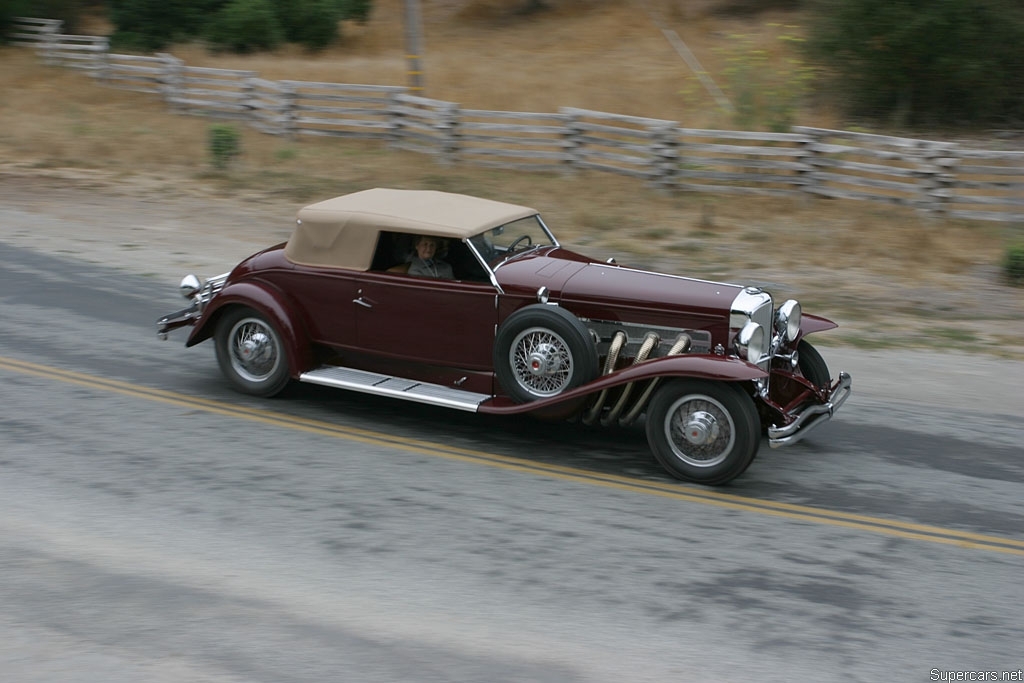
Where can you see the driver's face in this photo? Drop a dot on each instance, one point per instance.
(426, 248)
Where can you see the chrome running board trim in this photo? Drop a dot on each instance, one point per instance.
(396, 387)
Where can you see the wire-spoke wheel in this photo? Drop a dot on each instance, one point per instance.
(541, 362)
(542, 351)
(703, 431)
(250, 353)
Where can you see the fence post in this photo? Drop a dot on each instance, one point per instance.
(250, 113)
(448, 125)
(809, 175)
(571, 140)
(103, 60)
(170, 77)
(396, 129)
(48, 45)
(936, 181)
(665, 155)
(289, 113)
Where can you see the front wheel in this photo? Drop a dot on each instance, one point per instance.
(812, 365)
(250, 353)
(703, 431)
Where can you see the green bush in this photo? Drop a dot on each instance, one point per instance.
(151, 25)
(68, 11)
(245, 26)
(1013, 264)
(239, 25)
(224, 145)
(934, 62)
(358, 10)
(312, 23)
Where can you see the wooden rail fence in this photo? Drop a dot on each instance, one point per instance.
(941, 178)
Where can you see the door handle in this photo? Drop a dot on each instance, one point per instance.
(362, 302)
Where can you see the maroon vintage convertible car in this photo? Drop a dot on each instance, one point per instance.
(523, 326)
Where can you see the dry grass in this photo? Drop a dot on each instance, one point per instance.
(609, 56)
(858, 262)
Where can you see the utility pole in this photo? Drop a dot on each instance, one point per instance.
(412, 46)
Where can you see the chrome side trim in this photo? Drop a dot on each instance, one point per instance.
(667, 275)
(812, 416)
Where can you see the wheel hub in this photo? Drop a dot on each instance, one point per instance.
(701, 428)
(544, 361)
(254, 348)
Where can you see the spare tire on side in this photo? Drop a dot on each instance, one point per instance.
(541, 351)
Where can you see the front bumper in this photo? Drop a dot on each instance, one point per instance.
(811, 416)
(191, 313)
(173, 321)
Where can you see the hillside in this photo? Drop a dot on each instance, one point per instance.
(888, 275)
(608, 55)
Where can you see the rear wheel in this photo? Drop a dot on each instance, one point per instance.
(703, 431)
(250, 353)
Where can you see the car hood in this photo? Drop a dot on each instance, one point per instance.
(601, 291)
(618, 293)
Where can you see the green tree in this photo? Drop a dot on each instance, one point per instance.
(245, 26)
(154, 24)
(312, 23)
(68, 11)
(945, 62)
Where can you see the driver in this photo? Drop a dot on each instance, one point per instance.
(425, 263)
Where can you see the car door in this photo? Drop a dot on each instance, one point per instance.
(325, 297)
(437, 322)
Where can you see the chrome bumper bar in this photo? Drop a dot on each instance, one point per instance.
(177, 319)
(812, 416)
(189, 314)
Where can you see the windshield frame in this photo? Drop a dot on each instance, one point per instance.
(493, 255)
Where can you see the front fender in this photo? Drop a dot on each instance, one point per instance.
(272, 303)
(814, 323)
(718, 368)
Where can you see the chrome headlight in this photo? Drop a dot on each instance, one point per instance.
(751, 342)
(189, 286)
(787, 319)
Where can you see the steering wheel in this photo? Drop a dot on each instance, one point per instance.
(512, 247)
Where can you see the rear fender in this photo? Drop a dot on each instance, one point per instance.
(268, 301)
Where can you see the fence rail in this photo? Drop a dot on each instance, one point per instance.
(28, 31)
(940, 178)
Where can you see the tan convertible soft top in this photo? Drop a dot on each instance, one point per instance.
(342, 232)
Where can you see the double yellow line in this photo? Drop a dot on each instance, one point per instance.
(878, 525)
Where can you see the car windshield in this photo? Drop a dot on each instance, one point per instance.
(500, 243)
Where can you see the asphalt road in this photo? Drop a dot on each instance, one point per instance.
(156, 526)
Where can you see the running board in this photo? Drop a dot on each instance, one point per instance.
(397, 387)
